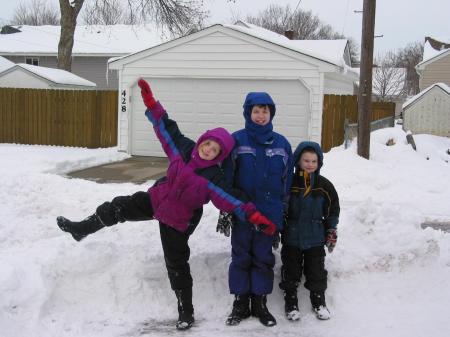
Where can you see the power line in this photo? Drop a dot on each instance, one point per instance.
(345, 17)
(298, 4)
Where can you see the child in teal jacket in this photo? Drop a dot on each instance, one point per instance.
(311, 224)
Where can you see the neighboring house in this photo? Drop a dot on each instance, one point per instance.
(29, 76)
(202, 80)
(435, 66)
(93, 47)
(429, 111)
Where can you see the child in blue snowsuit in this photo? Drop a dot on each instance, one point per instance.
(258, 165)
(311, 224)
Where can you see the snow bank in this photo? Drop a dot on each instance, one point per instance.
(387, 276)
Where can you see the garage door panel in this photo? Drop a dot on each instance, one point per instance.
(201, 104)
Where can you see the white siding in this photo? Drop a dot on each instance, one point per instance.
(430, 114)
(201, 104)
(226, 55)
(21, 79)
(338, 85)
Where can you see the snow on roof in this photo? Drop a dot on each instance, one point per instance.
(443, 86)
(98, 39)
(331, 51)
(429, 52)
(5, 64)
(57, 76)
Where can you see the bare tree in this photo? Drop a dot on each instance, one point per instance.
(35, 13)
(172, 16)
(103, 13)
(305, 24)
(69, 13)
(408, 58)
(388, 80)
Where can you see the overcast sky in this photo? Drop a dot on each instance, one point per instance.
(399, 21)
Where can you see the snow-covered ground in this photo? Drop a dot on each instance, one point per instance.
(387, 276)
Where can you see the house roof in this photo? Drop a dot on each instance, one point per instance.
(413, 99)
(329, 51)
(97, 40)
(431, 54)
(5, 64)
(56, 76)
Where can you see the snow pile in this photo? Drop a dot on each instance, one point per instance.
(387, 276)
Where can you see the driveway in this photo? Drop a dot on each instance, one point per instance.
(132, 170)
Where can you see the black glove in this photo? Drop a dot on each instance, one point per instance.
(331, 239)
(276, 241)
(225, 223)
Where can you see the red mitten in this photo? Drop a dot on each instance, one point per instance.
(262, 223)
(146, 93)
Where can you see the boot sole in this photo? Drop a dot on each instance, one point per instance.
(62, 224)
(184, 326)
(293, 315)
(322, 317)
(233, 321)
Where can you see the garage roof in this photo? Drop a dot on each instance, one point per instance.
(329, 51)
(442, 86)
(5, 64)
(56, 76)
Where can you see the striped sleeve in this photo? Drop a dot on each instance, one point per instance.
(225, 197)
(173, 142)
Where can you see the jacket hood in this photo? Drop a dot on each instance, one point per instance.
(308, 145)
(221, 136)
(258, 98)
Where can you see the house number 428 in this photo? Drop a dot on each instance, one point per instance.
(123, 101)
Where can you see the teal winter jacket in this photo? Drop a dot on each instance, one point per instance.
(310, 215)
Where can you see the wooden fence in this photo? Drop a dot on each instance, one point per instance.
(338, 108)
(82, 118)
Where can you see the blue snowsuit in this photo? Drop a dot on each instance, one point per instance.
(259, 165)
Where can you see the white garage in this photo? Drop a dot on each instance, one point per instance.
(202, 80)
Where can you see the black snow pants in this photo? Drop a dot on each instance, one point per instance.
(138, 207)
(310, 262)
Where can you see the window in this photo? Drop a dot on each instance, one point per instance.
(32, 60)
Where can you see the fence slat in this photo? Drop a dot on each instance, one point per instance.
(337, 108)
(82, 118)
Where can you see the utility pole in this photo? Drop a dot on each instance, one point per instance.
(365, 78)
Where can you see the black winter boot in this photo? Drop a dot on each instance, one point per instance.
(291, 305)
(80, 230)
(319, 305)
(259, 309)
(185, 309)
(240, 310)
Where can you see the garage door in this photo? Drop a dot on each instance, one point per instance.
(201, 104)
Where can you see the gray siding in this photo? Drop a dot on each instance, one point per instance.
(94, 69)
(437, 71)
(429, 114)
(91, 68)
